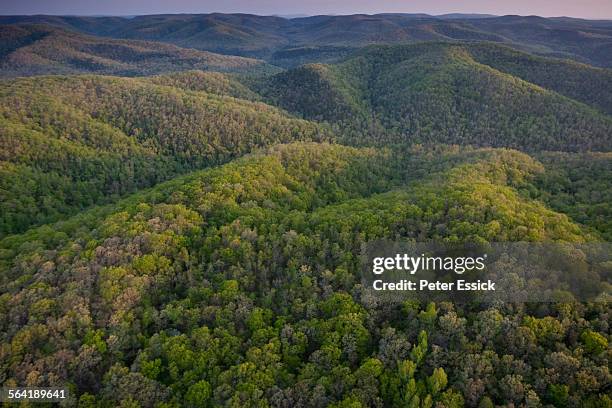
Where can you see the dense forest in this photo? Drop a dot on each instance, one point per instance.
(587, 41)
(237, 286)
(180, 228)
(449, 93)
(39, 49)
(70, 142)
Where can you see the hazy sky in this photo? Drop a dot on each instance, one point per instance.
(601, 9)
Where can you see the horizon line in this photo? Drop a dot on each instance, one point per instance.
(291, 16)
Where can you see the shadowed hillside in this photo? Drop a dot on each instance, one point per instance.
(42, 49)
(454, 93)
(325, 37)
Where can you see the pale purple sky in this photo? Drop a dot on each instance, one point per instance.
(595, 9)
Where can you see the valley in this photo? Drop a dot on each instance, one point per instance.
(185, 200)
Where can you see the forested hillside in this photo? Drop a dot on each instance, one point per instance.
(579, 185)
(42, 49)
(211, 82)
(69, 142)
(238, 286)
(72, 142)
(581, 82)
(180, 228)
(269, 37)
(453, 93)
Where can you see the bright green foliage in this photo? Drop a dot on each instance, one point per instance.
(210, 279)
(547, 330)
(420, 350)
(214, 83)
(437, 381)
(198, 394)
(68, 143)
(239, 286)
(594, 342)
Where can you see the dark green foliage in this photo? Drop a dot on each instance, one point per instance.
(444, 92)
(316, 91)
(581, 82)
(293, 57)
(578, 185)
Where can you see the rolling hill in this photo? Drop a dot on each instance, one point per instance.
(208, 289)
(228, 33)
(44, 49)
(262, 37)
(68, 142)
(189, 229)
(76, 141)
(583, 40)
(480, 94)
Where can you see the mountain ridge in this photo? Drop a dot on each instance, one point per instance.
(30, 49)
(69, 142)
(441, 92)
(261, 36)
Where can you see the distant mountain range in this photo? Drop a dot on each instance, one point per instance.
(266, 36)
(35, 49)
